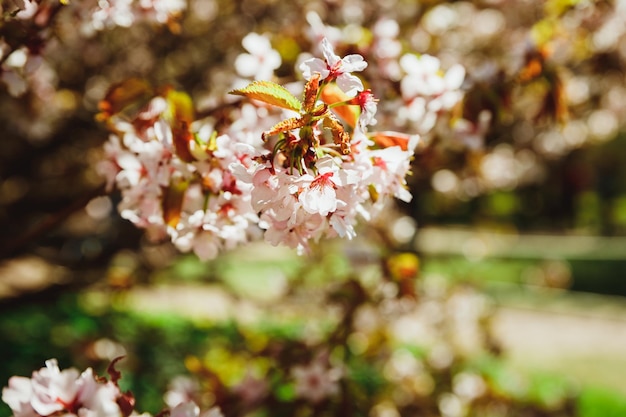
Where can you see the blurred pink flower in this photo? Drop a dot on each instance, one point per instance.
(190, 409)
(316, 381)
(262, 59)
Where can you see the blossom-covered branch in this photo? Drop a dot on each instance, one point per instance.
(310, 174)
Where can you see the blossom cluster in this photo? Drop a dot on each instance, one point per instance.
(52, 391)
(427, 91)
(105, 14)
(309, 172)
(177, 182)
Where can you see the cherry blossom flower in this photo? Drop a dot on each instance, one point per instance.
(316, 381)
(320, 196)
(51, 390)
(295, 208)
(336, 68)
(181, 389)
(391, 166)
(427, 90)
(105, 14)
(385, 43)
(317, 30)
(261, 59)
(162, 11)
(212, 210)
(111, 13)
(18, 396)
(185, 409)
(190, 409)
(368, 104)
(386, 48)
(98, 399)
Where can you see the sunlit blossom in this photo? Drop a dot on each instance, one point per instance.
(336, 68)
(368, 104)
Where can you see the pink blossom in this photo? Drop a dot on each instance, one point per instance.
(51, 391)
(391, 165)
(368, 104)
(336, 68)
(216, 212)
(162, 11)
(228, 190)
(318, 195)
(261, 59)
(316, 381)
(97, 399)
(185, 409)
(181, 389)
(427, 90)
(100, 15)
(18, 396)
(190, 409)
(318, 30)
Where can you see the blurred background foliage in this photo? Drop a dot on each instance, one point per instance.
(531, 219)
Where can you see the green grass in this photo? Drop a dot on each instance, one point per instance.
(596, 402)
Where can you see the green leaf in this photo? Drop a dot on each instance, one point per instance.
(270, 93)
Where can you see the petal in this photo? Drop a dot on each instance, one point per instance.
(313, 65)
(403, 194)
(329, 53)
(321, 200)
(429, 63)
(18, 393)
(409, 63)
(455, 76)
(272, 59)
(206, 247)
(342, 228)
(186, 409)
(246, 65)
(349, 84)
(354, 62)
(256, 44)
